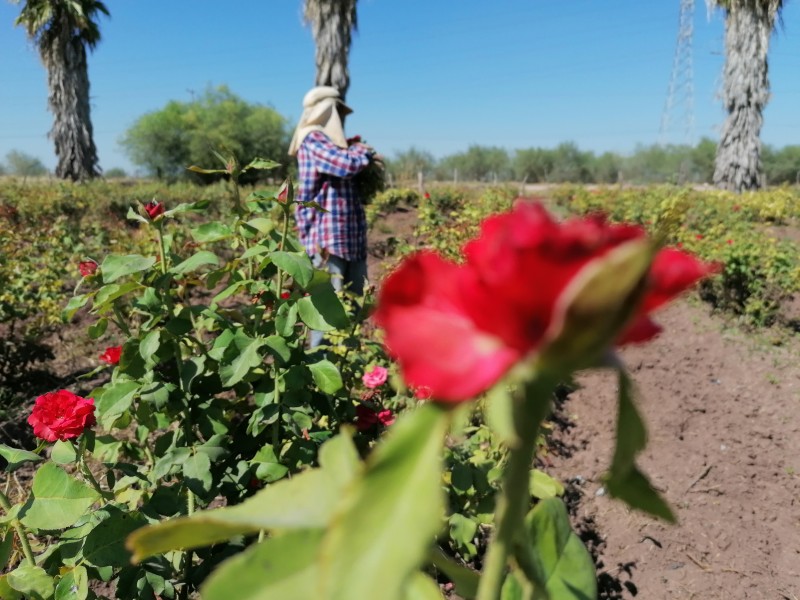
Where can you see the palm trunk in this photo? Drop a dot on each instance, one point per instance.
(332, 23)
(68, 100)
(748, 27)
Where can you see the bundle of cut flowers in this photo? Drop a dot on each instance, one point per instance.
(371, 181)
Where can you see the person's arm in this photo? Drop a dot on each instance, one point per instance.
(330, 159)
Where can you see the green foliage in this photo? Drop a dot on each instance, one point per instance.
(24, 165)
(405, 165)
(167, 141)
(745, 233)
(115, 173)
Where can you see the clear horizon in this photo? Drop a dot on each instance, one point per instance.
(435, 76)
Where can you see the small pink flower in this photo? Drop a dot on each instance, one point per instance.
(87, 267)
(730, 242)
(376, 377)
(154, 209)
(286, 295)
(111, 355)
(699, 236)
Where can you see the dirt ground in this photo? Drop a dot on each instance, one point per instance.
(723, 412)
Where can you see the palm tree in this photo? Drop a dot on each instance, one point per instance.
(332, 23)
(748, 28)
(63, 30)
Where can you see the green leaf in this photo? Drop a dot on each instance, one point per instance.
(262, 224)
(6, 591)
(624, 480)
(199, 259)
(63, 453)
(306, 501)
(197, 473)
(543, 486)
(293, 573)
(149, 345)
(115, 266)
(73, 585)
(33, 582)
(16, 458)
(268, 468)
(278, 347)
(6, 548)
(465, 580)
(197, 169)
(285, 319)
(323, 310)
(554, 559)
(421, 587)
(105, 544)
(326, 376)
(391, 514)
(57, 500)
(296, 264)
(462, 529)
(115, 400)
(261, 163)
(74, 305)
(500, 413)
(254, 251)
(247, 358)
(134, 216)
(107, 293)
(211, 232)
(96, 330)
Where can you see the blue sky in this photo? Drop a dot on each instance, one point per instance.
(438, 75)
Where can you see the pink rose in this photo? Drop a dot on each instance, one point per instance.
(376, 377)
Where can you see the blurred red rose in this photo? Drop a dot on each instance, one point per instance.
(61, 416)
(111, 355)
(366, 417)
(87, 267)
(154, 209)
(456, 329)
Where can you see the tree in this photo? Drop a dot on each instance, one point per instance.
(167, 141)
(24, 165)
(405, 165)
(332, 24)
(62, 31)
(533, 165)
(748, 28)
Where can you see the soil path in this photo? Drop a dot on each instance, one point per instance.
(723, 413)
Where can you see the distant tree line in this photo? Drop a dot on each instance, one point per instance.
(568, 163)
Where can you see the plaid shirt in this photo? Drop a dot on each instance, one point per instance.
(325, 174)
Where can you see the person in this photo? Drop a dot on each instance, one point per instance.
(336, 238)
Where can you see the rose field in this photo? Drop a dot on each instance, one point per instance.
(571, 393)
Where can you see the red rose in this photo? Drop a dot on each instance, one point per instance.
(356, 139)
(456, 329)
(286, 295)
(111, 355)
(87, 267)
(426, 195)
(386, 417)
(154, 209)
(61, 415)
(367, 418)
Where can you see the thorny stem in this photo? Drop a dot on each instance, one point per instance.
(531, 406)
(22, 534)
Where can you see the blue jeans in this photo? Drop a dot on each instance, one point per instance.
(345, 274)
